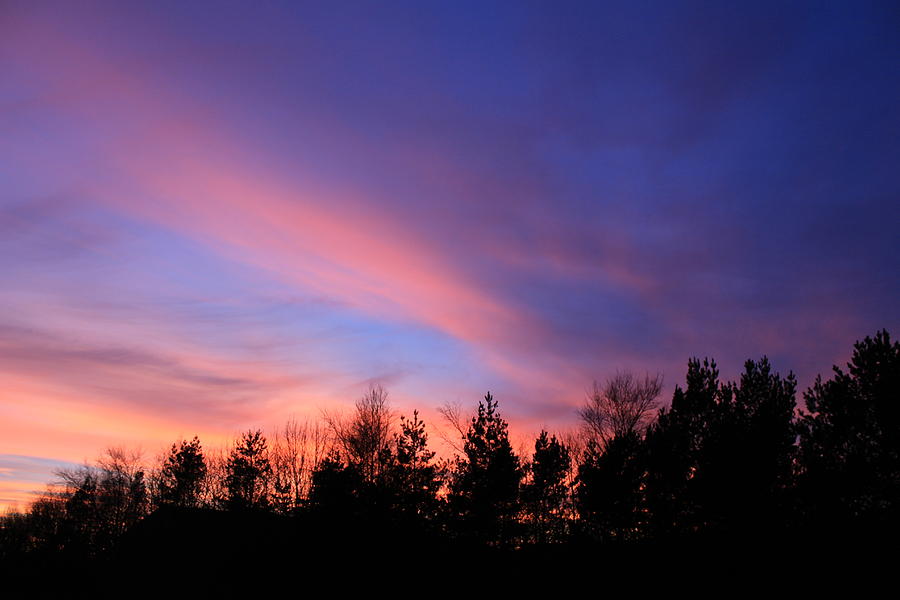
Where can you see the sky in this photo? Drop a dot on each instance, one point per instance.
(215, 215)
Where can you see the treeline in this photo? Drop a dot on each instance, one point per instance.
(722, 461)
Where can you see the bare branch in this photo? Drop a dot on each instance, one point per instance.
(624, 405)
(451, 412)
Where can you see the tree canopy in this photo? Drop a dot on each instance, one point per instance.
(182, 474)
(248, 472)
(850, 435)
(485, 489)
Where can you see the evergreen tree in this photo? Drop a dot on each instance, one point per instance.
(182, 474)
(485, 488)
(721, 456)
(412, 476)
(248, 472)
(743, 466)
(336, 487)
(764, 405)
(608, 488)
(850, 438)
(545, 494)
(678, 446)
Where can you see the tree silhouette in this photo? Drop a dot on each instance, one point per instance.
(122, 488)
(744, 460)
(608, 489)
(182, 474)
(248, 471)
(850, 438)
(764, 405)
(296, 450)
(624, 405)
(102, 501)
(721, 456)
(83, 530)
(336, 487)
(47, 523)
(673, 448)
(546, 493)
(485, 488)
(725, 466)
(412, 476)
(365, 439)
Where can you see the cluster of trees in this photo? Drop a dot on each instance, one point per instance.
(723, 458)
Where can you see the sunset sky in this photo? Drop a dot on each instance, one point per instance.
(214, 215)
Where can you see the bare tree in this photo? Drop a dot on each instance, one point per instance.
(575, 441)
(103, 500)
(624, 404)
(213, 491)
(296, 451)
(365, 437)
(124, 486)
